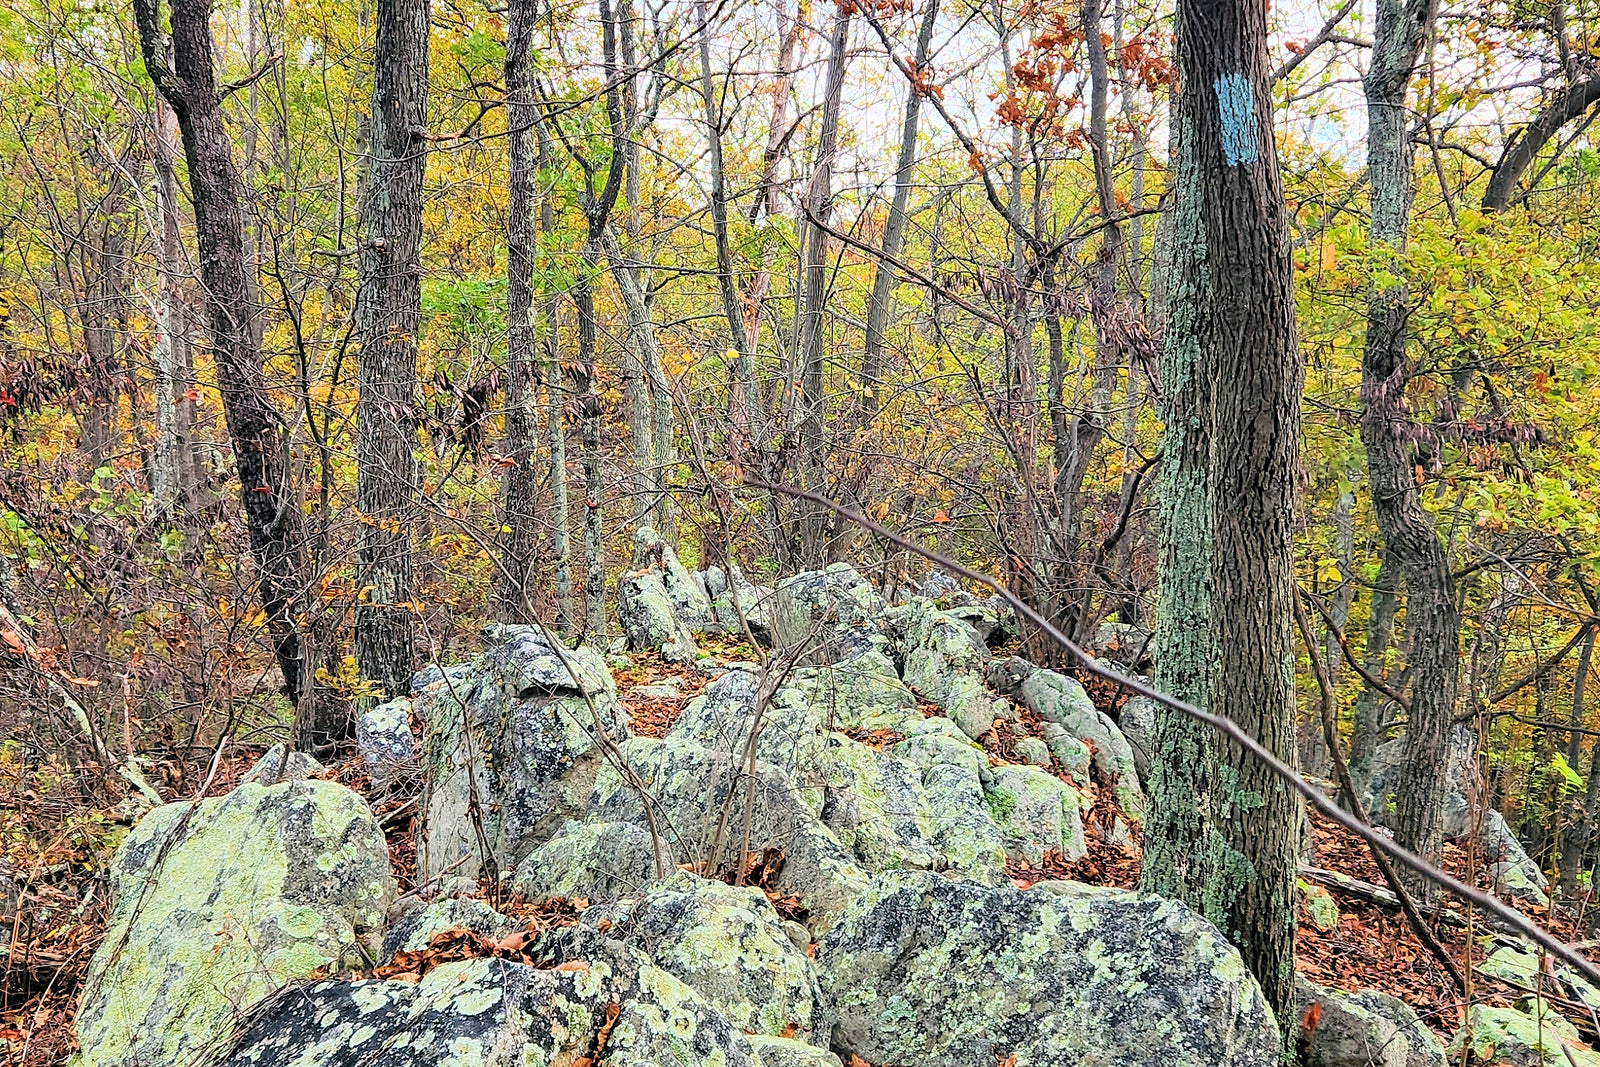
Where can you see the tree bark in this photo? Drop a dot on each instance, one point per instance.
(1432, 621)
(272, 512)
(1368, 729)
(814, 528)
(1224, 830)
(519, 523)
(388, 318)
(884, 276)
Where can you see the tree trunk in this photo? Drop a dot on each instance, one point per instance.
(170, 466)
(519, 522)
(1224, 829)
(1432, 621)
(388, 318)
(885, 274)
(815, 521)
(1370, 704)
(272, 512)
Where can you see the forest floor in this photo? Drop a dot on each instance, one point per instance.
(58, 843)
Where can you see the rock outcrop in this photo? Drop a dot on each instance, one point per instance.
(217, 904)
(512, 743)
(925, 970)
(1366, 1029)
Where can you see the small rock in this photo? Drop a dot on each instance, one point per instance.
(598, 861)
(1034, 751)
(384, 739)
(1520, 1039)
(1037, 813)
(413, 933)
(280, 764)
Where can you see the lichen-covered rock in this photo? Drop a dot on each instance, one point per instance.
(787, 1052)
(864, 692)
(1061, 700)
(511, 741)
(383, 737)
(1321, 910)
(1516, 1038)
(1036, 753)
(412, 933)
(661, 604)
(1137, 721)
(1365, 1029)
(961, 826)
(925, 970)
(945, 662)
(281, 764)
(219, 903)
(834, 610)
(728, 944)
(703, 800)
(877, 807)
(1037, 813)
(736, 600)
(1512, 872)
(596, 861)
(1068, 751)
(495, 1013)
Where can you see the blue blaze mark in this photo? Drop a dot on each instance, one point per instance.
(1236, 104)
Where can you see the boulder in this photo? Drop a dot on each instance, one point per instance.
(1058, 699)
(384, 740)
(925, 970)
(1036, 813)
(787, 1052)
(1365, 1029)
(510, 748)
(729, 945)
(1516, 1038)
(1137, 721)
(217, 904)
(945, 662)
(863, 693)
(736, 599)
(707, 807)
(595, 861)
(496, 1013)
(1512, 872)
(416, 930)
(834, 611)
(661, 604)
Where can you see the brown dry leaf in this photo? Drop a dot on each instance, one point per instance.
(512, 942)
(790, 1030)
(572, 965)
(857, 1061)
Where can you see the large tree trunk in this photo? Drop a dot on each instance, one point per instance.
(388, 317)
(1223, 831)
(519, 521)
(272, 512)
(1432, 620)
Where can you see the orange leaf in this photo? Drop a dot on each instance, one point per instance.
(1309, 1021)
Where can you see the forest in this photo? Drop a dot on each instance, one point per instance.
(608, 456)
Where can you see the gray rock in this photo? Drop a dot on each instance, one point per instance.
(945, 662)
(834, 610)
(661, 604)
(1033, 751)
(703, 800)
(1059, 699)
(1512, 871)
(1137, 721)
(511, 738)
(413, 933)
(864, 693)
(217, 904)
(384, 740)
(1520, 1039)
(731, 600)
(596, 861)
(1037, 813)
(280, 764)
(496, 1013)
(728, 945)
(784, 1052)
(1365, 1029)
(924, 970)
